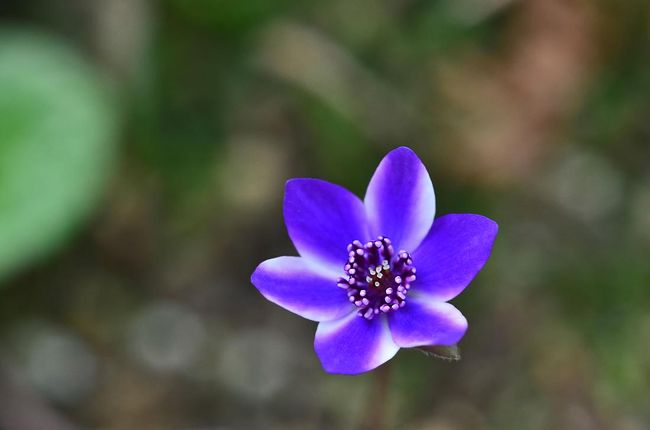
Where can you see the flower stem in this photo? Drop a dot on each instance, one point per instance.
(376, 415)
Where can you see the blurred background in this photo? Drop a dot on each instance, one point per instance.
(144, 146)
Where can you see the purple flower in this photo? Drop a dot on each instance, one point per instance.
(356, 274)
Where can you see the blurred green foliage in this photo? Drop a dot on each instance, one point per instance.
(57, 135)
(233, 19)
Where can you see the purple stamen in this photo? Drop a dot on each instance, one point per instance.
(377, 279)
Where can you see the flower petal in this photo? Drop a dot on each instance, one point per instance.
(301, 288)
(400, 201)
(421, 323)
(353, 344)
(322, 219)
(453, 252)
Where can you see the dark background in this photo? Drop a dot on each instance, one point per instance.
(144, 147)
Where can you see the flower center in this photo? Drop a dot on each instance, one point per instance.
(376, 279)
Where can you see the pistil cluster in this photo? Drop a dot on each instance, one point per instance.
(377, 280)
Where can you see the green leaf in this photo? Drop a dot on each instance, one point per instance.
(449, 353)
(232, 17)
(57, 130)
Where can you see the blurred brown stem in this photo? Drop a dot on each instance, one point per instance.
(376, 415)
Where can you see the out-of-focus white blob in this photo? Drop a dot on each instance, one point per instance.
(257, 364)
(585, 185)
(56, 362)
(167, 337)
(640, 212)
(251, 174)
